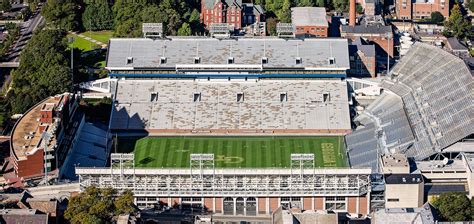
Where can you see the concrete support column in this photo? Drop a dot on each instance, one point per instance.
(357, 205)
(235, 206)
(214, 204)
(267, 205)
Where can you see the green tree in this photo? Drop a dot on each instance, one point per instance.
(33, 4)
(5, 5)
(285, 13)
(97, 16)
(98, 205)
(185, 30)
(341, 5)
(195, 22)
(305, 3)
(359, 9)
(61, 14)
(437, 17)
(472, 200)
(471, 5)
(271, 26)
(44, 70)
(457, 25)
(453, 206)
(124, 203)
(320, 3)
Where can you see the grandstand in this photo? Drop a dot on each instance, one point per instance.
(237, 106)
(209, 57)
(432, 109)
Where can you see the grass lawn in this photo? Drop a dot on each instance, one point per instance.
(102, 36)
(235, 152)
(83, 44)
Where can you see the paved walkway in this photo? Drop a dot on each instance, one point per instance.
(102, 45)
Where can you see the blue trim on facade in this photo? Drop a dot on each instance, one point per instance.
(279, 75)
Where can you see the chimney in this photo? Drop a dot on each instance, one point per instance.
(352, 12)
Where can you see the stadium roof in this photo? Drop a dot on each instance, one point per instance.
(285, 106)
(436, 89)
(213, 54)
(309, 16)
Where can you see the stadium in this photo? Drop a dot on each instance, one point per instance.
(244, 126)
(240, 127)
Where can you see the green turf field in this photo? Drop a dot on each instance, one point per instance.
(235, 152)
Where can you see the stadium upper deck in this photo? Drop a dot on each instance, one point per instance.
(208, 57)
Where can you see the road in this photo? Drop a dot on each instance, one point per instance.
(26, 31)
(13, 56)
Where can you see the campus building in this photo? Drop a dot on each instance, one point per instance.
(234, 13)
(41, 138)
(379, 35)
(310, 21)
(420, 9)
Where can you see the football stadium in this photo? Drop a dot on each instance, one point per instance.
(237, 126)
(242, 126)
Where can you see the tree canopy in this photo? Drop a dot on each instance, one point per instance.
(44, 70)
(96, 205)
(175, 16)
(98, 16)
(437, 17)
(453, 206)
(457, 25)
(61, 14)
(5, 5)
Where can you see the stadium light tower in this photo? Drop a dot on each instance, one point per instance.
(71, 40)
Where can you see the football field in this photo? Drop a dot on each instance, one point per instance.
(238, 152)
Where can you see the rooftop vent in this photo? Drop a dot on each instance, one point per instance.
(326, 97)
(129, 60)
(163, 60)
(264, 60)
(331, 61)
(230, 60)
(197, 97)
(240, 97)
(283, 97)
(299, 60)
(197, 60)
(154, 97)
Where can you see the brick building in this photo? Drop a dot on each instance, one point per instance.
(420, 9)
(362, 58)
(40, 136)
(310, 21)
(233, 12)
(373, 34)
